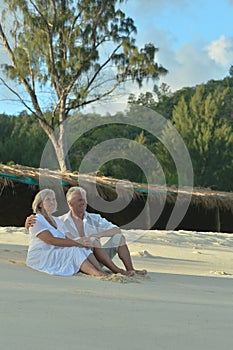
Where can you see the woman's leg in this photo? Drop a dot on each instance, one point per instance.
(90, 269)
(94, 262)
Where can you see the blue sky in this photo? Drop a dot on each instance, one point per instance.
(194, 37)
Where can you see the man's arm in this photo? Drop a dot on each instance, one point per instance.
(30, 221)
(107, 233)
(81, 242)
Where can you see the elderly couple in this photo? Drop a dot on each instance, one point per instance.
(72, 243)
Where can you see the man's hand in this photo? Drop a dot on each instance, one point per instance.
(30, 221)
(85, 242)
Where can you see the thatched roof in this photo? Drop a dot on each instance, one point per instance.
(107, 186)
(137, 205)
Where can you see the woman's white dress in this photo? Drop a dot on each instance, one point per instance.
(41, 256)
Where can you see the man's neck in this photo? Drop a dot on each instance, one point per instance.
(79, 216)
(78, 221)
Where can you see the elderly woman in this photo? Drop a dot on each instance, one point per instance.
(50, 250)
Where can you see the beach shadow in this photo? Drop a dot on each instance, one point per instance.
(176, 259)
(145, 254)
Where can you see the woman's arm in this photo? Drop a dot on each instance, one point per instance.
(48, 238)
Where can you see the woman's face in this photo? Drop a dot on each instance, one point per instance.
(49, 204)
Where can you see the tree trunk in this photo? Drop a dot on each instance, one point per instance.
(58, 139)
(62, 157)
(61, 150)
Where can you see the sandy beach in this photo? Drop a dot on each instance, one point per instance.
(185, 301)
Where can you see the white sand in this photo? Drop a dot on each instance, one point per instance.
(185, 302)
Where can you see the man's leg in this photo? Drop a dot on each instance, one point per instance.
(124, 255)
(104, 258)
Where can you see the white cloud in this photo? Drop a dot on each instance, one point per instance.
(221, 51)
(190, 65)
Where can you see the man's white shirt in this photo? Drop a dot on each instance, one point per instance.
(93, 223)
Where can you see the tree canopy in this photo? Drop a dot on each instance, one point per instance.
(203, 117)
(68, 54)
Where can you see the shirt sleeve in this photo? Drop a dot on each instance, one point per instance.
(39, 226)
(102, 224)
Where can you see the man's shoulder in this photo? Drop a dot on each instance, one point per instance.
(92, 215)
(65, 216)
(97, 218)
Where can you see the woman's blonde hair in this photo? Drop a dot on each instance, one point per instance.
(40, 196)
(70, 193)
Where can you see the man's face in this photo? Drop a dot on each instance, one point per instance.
(78, 203)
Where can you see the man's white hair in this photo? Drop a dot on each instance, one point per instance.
(75, 189)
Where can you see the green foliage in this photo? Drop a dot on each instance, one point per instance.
(56, 48)
(11, 162)
(161, 99)
(208, 136)
(21, 141)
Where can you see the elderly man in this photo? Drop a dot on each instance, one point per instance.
(88, 229)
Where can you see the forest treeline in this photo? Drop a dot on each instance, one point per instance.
(202, 115)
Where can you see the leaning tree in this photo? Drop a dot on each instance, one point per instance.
(67, 54)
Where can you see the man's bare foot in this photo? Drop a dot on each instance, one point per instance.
(141, 272)
(128, 273)
(103, 273)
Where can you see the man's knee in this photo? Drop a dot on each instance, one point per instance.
(96, 243)
(115, 241)
(122, 240)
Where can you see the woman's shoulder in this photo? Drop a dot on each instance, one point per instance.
(39, 225)
(39, 217)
